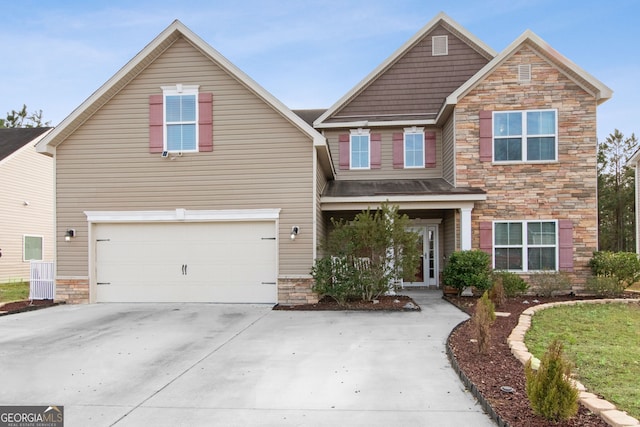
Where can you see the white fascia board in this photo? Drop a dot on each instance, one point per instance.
(356, 205)
(398, 53)
(370, 124)
(183, 215)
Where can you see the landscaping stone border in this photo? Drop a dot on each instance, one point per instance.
(606, 410)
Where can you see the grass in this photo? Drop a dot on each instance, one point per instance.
(602, 341)
(14, 291)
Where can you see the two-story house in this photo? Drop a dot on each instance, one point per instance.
(182, 179)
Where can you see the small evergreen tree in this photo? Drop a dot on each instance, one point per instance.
(481, 321)
(549, 390)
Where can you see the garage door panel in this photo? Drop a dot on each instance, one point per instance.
(188, 262)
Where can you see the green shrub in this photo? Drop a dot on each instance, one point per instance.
(623, 266)
(549, 390)
(548, 283)
(606, 286)
(513, 284)
(483, 317)
(468, 268)
(364, 257)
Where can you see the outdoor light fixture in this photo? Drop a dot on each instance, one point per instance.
(69, 234)
(294, 232)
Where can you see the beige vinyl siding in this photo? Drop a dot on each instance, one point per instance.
(387, 170)
(25, 176)
(259, 160)
(451, 236)
(321, 183)
(416, 85)
(448, 151)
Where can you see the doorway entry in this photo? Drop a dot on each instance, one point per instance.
(427, 273)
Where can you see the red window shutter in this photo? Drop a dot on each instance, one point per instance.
(376, 150)
(343, 140)
(486, 237)
(205, 121)
(430, 149)
(156, 125)
(566, 244)
(486, 136)
(398, 150)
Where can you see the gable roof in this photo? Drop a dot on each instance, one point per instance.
(13, 139)
(442, 20)
(582, 78)
(145, 57)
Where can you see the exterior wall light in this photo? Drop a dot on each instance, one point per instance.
(71, 233)
(294, 232)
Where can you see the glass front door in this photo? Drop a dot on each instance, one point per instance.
(427, 272)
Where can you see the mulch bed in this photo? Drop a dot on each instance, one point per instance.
(26, 305)
(488, 373)
(382, 303)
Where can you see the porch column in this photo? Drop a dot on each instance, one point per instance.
(465, 229)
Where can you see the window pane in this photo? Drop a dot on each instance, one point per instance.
(188, 108)
(32, 248)
(508, 149)
(174, 137)
(508, 233)
(172, 105)
(541, 123)
(541, 148)
(414, 149)
(507, 124)
(181, 108)
(508, 258)
(360, 151)
(188, 137)
(541, 233)
(542, 259)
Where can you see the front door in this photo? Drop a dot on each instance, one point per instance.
(427, 273)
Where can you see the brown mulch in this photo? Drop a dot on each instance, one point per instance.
(488, 373)
(26, 305)
(382, 303)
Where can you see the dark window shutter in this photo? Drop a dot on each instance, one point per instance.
(376, 150)
(156, 124)
(343, 141)
(398, 150)
(430, 149)
(486, 136)
(486, 237)
(565, 239)
(205, 121)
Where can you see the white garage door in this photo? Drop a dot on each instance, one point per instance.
(186, 262)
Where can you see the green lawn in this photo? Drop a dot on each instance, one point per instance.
(13, 291)
(603, 342)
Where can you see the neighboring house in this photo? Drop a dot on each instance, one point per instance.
(186, 181)
(26, 203)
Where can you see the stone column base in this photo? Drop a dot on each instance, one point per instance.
(72, 290)
(296, 291)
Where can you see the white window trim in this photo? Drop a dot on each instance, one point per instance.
(413, 131)
(24, 247)
(359, 132)
(524, 137)
(179, 89)
(525, 246)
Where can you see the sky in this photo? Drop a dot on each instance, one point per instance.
(56, 53)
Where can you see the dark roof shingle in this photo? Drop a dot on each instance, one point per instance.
(13, 139)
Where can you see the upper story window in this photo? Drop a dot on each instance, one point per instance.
(180, 118)
(360, 149)
(525, 136)
(414, 148)
(525, 245)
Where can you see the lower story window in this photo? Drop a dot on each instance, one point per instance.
(525, 245)
(32, 248)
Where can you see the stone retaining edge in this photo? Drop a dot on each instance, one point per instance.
(606, 410)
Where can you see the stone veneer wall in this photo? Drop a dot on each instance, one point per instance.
(296, 291)
(72, 291)
(560, 190)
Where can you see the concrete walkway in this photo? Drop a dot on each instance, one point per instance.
(236, 365)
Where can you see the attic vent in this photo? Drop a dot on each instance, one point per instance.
(524, 73)
(439, 45)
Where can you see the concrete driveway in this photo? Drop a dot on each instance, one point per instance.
(236, 365)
